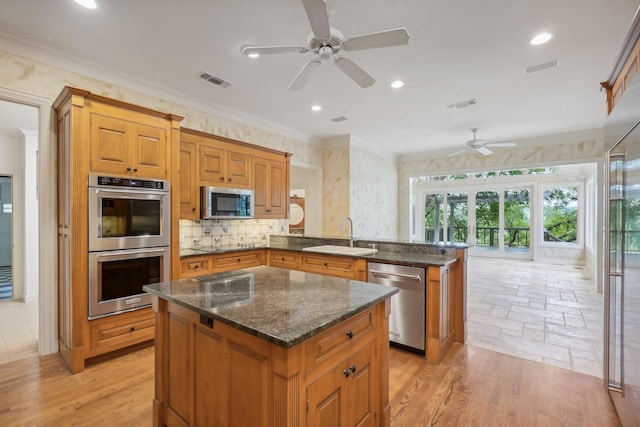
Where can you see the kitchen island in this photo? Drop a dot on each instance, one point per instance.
(267, 346)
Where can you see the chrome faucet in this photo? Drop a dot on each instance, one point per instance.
(350, 229)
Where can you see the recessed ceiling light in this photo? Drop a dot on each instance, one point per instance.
(397, 84)
(89, 4)
(540, 39)
(316, 108)
(253, 55)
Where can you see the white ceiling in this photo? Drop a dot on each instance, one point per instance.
(458, 50)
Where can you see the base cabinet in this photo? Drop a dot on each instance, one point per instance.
(220, 376)
(344, 396)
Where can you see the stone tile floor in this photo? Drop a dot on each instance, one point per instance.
(543, 312)
(18, 330)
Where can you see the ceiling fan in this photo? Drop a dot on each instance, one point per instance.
(481, 145)
(327, 43)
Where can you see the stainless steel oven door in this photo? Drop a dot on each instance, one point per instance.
(127, 219)
(116, 279)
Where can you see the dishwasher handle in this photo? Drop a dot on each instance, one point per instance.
(396, 275)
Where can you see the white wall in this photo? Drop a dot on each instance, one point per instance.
(31, 232)
(373, 201)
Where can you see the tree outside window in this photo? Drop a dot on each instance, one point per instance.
(560, 214)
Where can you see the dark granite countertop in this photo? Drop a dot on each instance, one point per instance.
(281, 306)
(405, 254)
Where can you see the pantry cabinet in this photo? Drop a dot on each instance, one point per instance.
(95, 134)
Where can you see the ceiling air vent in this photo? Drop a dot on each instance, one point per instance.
(339, 119)
(215, 80)
(541, 67)
(463, 104)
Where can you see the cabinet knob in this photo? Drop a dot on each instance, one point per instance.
(347, 372)
(326, 265)
(135, 169)
(229, 179)
(128, 169)
(131, 329)
(350, 334)
(352, 368)
(193, 209)
(238, 259)
(222, 178)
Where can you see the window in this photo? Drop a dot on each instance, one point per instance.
(560, 214)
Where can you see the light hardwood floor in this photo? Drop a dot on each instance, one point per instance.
(471, 387)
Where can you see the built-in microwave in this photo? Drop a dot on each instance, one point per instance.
(220, 203)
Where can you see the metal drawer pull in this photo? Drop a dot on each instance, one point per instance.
(404, 276)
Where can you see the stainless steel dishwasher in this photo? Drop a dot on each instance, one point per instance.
(407, 321)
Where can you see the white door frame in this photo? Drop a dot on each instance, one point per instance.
(47, 214)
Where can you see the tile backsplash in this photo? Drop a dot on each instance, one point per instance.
(218, 232)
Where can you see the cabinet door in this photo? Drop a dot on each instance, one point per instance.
(212, 163)
(110, 145)
(278, 189)
(238, 170)
(148, 151)
(270, 187)
(189, 191)
(344, 396)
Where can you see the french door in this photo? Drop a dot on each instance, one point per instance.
(495, 222)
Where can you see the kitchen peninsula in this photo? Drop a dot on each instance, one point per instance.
(267, 346)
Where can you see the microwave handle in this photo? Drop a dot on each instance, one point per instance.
(108, 254)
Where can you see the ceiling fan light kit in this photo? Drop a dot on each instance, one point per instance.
(481, 145)
(327, 42)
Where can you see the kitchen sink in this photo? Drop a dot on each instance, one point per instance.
(341, 250)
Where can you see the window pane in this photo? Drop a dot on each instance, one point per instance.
(458, 213)
(560, 214)
(517, 221)
(487, 219)
(433, 218)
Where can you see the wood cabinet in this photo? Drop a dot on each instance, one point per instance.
(283, 259)
(223, 165)
(216, 263)
(98, 134)
(271, 186)
(208, 160)
(344, 396)
(222, 376)
(124, 143)
(334, 265)
(189, 190)
(626, 67)
(237, 260)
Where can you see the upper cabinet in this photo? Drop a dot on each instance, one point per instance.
(625, 67)
(225, 166)
(127, 143)
(271, 186)
(208, 160)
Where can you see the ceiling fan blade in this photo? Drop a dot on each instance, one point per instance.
(458, 152)
(304, 74)
(356, 73)
(484, 150)
(318, 18)
(500, 144)
(396, 37)
(268, 50)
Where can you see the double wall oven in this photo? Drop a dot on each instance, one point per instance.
(128, 242)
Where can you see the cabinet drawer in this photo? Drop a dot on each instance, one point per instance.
(195, 266)
(110, 333)
(236, 260)
(342, 337)
(284, 259)
(338, 266)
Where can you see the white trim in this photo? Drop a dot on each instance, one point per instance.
(48, 301)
